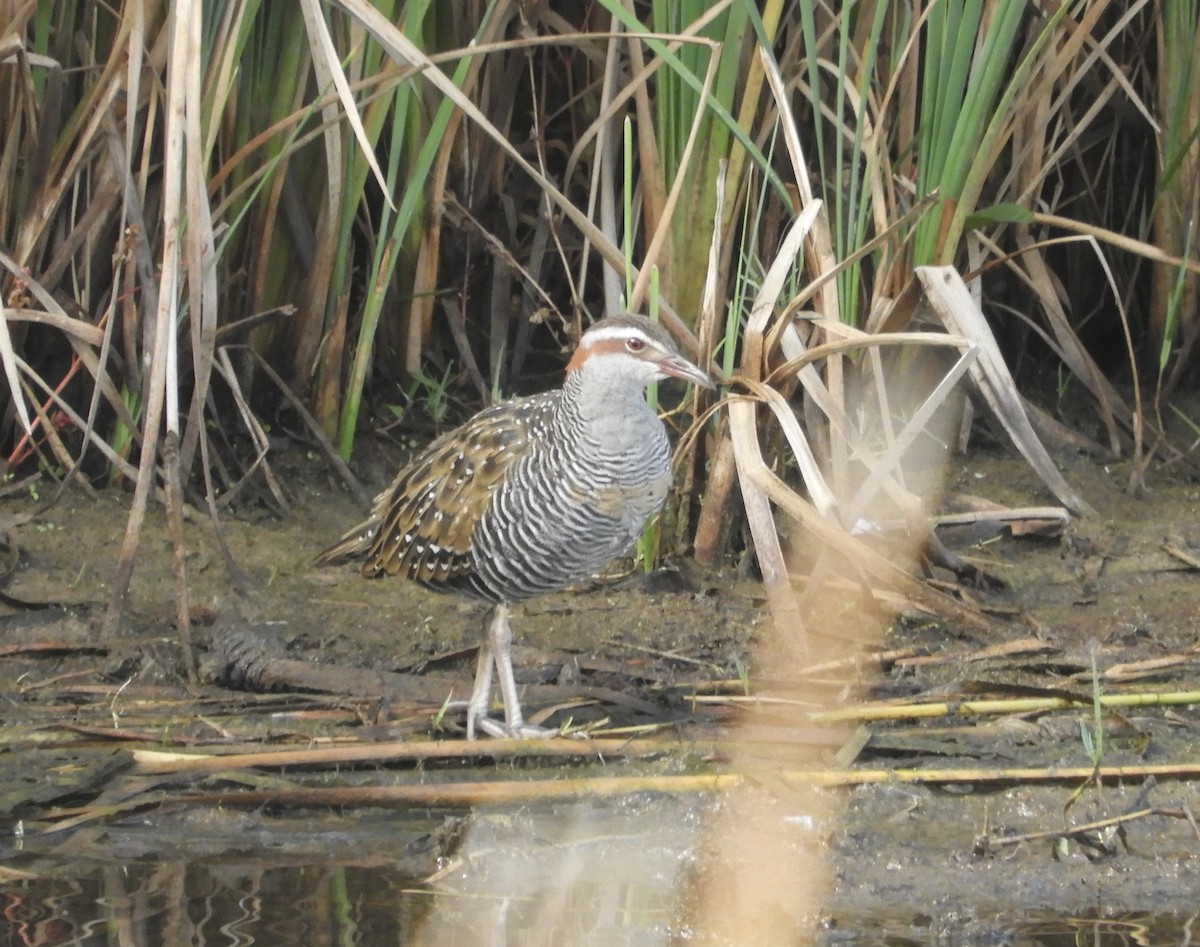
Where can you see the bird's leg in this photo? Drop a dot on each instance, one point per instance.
(501, 634)
(498, 644)
(481, 692)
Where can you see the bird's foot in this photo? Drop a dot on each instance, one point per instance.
(520, 731)
(479, 722)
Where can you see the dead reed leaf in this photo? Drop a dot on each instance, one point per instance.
(949, 298)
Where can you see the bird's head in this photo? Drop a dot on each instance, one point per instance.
(635, 348)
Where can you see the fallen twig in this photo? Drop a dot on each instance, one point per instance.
(1048, 520)
(1181, 554)
(994, 841)
(1134, 670)
(50, 648)
(1006, 649)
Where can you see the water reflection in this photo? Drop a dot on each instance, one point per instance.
(578, 874)
(181, 903)
(587, 873)
(620, 872)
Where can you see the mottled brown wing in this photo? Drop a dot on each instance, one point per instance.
(428, 515)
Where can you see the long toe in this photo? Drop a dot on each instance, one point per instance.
(525, 731)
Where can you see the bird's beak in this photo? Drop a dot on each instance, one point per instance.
(679, 367)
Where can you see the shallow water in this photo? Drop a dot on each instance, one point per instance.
(589, 873)
(167, 903)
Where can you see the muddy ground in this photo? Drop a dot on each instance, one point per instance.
(1106, 587)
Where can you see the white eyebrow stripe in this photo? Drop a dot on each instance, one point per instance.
(604, 333)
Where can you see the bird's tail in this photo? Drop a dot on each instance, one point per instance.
(353, 545)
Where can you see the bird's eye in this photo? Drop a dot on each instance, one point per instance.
(635, 344)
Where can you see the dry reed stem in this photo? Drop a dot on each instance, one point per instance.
(158, 762)
(520, 792)
(973, 708)
(160, 397)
